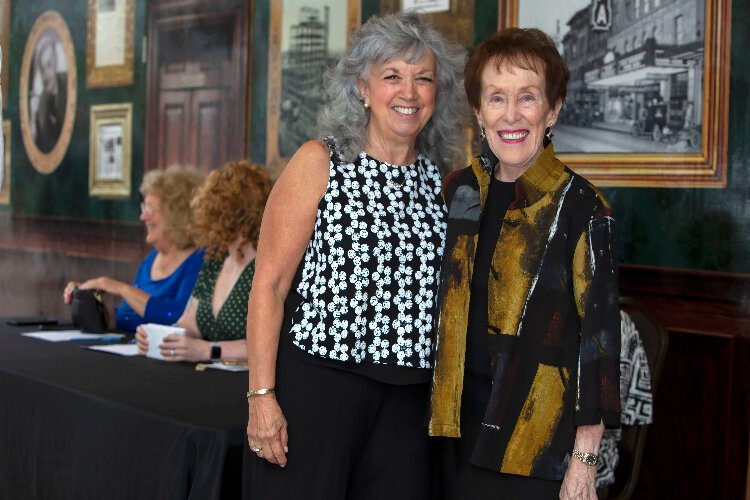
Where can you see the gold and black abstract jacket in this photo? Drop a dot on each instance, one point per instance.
(553, 317)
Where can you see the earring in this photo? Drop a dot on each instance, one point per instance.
(548, 132)
(482, 135)
(367, 105)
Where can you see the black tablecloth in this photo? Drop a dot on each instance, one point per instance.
(77, 423)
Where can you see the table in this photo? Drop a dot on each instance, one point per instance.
(77, 423)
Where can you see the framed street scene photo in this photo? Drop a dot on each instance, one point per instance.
(110, 150)
(647, 101)
(306, 36)
(5, 167)
(109, 43)
(47, 92)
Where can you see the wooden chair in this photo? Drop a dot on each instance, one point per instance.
(655, 343)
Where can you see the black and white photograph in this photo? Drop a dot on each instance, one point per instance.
(637, 70)
(48, 91)
(314, 36)
(110, 150)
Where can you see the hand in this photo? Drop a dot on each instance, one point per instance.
(103, 283)
(141, 339)
(68, 291)
(183, 348)
(267, 429)
(579, 482)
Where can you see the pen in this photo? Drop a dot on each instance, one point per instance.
(109, 338)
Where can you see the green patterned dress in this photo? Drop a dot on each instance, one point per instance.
(231, 321)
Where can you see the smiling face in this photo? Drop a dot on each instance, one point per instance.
(401, 97)
(515, 113)
(153, 217)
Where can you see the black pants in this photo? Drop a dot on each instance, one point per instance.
(459, 480)
(350, 437)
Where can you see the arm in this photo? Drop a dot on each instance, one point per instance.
(580, 479)
(287, 226)
(595, 287)
(135, 297)
(596, 295)
(192, 346)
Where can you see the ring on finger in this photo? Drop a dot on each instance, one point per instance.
(171, 353)
(256, 449)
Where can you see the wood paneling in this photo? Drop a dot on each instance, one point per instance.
(39, 256)
(698, 445)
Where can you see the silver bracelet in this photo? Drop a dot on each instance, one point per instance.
(260, 392)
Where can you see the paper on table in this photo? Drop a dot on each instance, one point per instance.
(121, 349)
(229, 368)
(64, 335)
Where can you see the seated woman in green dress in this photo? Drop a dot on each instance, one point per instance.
(227, 212)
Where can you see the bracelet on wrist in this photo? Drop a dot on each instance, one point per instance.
(589, 459)
(260, 392)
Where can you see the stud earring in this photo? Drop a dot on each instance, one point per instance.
(367, 105)
(482, 134)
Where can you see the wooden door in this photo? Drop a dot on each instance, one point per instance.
(197, 83)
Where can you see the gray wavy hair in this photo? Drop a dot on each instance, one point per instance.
(405, 36)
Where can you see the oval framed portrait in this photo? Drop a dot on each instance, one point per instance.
(48, 92)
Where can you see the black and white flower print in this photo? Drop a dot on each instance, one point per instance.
(371, 270)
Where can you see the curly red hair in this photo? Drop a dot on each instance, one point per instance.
(230, 203)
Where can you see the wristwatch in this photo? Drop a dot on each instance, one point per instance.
(216, 353)
(589, 459)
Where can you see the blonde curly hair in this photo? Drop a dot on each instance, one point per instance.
(230, 203)
(174, 187)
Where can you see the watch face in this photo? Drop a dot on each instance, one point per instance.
(215, 353)
(587, 458)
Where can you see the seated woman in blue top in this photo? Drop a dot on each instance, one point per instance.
(165, 279)
(227, 211)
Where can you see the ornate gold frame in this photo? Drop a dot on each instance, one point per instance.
(5, 191)
(274, 161)
(708, 167)
(46, 163)
(457, 25)
(109, 76)
(111, 114)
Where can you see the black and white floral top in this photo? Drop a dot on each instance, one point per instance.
(369, 277)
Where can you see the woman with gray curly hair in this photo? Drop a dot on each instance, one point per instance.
(342, 310)
(165, 278)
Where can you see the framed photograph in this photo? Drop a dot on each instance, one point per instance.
(5, 167)
(109, 43)
(47, 92)
(5, 47)
(454, 19)
(647, 101)
(110, 150)
(306, 36)
(427, 5)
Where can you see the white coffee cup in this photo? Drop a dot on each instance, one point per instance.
(156, 334)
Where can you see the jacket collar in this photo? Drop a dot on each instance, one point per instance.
(539, 179)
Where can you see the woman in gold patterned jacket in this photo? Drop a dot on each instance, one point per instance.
(527, 363)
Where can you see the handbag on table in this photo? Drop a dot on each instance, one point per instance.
(88, 311)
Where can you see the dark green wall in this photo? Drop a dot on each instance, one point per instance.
(64, 192)
(685, 228)
(698, 228)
